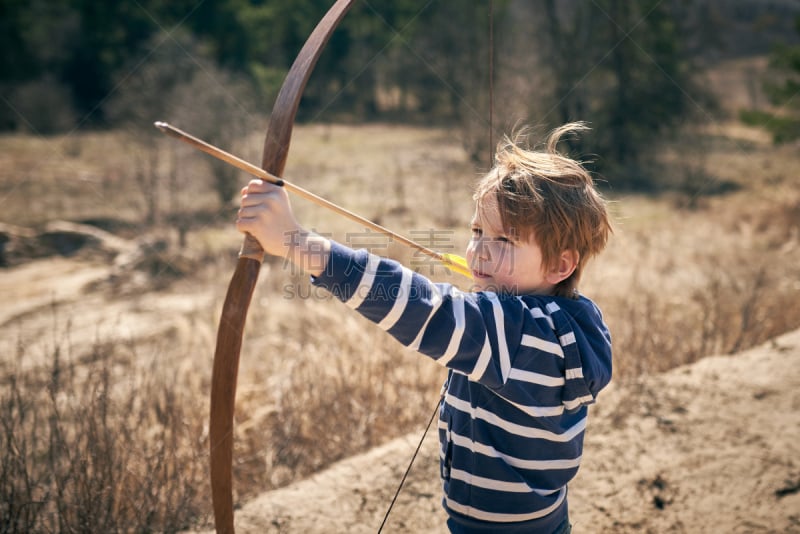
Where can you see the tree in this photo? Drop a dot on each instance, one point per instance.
(623, 67)
(180, 83)
(782, 87)
(35, 39)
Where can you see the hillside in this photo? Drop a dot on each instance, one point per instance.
(708, 447)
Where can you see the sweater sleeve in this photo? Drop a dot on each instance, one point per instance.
(436, 319)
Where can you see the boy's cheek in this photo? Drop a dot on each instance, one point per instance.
(469, 253)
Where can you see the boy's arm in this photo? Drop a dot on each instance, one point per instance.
(353, 276)
(437, 320)
(267, 215)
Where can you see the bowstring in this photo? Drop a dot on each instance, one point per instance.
(411, 463)
(491, 82)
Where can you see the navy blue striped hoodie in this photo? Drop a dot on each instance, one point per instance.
(522, 370)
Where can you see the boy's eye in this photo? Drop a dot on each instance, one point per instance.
(477, 232)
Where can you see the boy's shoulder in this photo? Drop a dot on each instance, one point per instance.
(580, 313)
(580, 307)
(561, 313)
(577, 326)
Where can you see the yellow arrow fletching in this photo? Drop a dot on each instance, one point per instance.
(457, 264)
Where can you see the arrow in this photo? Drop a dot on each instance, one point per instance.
(455, 263)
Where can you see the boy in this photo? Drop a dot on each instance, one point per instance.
(526, 352)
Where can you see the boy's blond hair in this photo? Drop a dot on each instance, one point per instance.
(550, 198)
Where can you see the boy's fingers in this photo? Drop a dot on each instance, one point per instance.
(244, 224)
(247, 218)
(251, 186)
(253, 198)
(259, 186)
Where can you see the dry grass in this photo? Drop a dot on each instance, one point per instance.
(88, 446)
(107, 433)
(678, 284)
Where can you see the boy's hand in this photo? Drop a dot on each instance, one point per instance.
(266, 214)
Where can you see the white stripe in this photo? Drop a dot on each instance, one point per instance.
(552, 307)
(502, 345)
(471, 511)
(539, 465)
(436, 303)
(365, 284)
(458, 329)
(442, 425)
(483, 361)
(536, 411)
(488, 483)
(400, 302)
(537, 313)
(576, 403)
(536, 378)
(571, 374)
(542, 344)
(513, 428)
(567, 339)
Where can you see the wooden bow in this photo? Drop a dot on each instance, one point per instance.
(242, 284)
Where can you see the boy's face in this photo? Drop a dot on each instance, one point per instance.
(500, 262)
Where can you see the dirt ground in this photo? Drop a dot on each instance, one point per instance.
(710, 447)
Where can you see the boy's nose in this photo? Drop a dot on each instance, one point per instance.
(482, 250)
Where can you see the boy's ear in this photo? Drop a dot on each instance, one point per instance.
(567, 262)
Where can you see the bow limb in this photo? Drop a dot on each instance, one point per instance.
(242, 284)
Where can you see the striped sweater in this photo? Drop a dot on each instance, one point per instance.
(522, 370)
